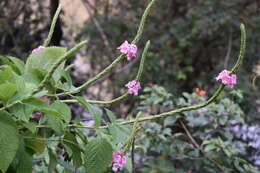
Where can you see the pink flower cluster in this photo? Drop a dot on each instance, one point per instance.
(133, 87)
(38, 49)
(39, 114)
(118, 160)
(129, 49)
(227, 79)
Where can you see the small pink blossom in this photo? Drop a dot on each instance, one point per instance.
(129, 49)
(133, 87)
(38, 49)
(39, 114)
(227, 79)
(118, 160)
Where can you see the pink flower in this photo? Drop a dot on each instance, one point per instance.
(133, 87)
(39, 114)
(38, 49)
(129, 49)
(118, 160)
(227, 79)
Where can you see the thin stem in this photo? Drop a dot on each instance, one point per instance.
(118, 59)
(199, 148)
(154, 117)
(56, 65)
(141, 25)
(53, 23)
(242, 49)
(125, 95)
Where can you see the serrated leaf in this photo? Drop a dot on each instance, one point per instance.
(45, 59)
(9, 140)
(98, 156)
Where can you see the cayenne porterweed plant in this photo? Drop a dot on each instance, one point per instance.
(37, 132)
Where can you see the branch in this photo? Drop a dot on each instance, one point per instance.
(53, 23)
(118, 59)
(199, 148)
(87, 5)
(138, 78)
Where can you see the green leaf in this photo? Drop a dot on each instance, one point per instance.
(95, 112)
(9, 140)
(7, 75)
(7, 90)
(55, 124)
(22, 111)
(35, 143)
(111, 115)
(118, 132)
(169, 121)
(98, 156)
(63, 109)
(23, 161)
(71, 142)
(18, 65)
(41, 106)
(30, 126)
(45, 59)
(53, 161)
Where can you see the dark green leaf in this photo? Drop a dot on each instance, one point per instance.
(9, 140)
(98, 156)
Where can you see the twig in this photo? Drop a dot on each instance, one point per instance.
(88, 7)
(199, 148)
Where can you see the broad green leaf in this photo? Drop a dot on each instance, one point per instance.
(22, 111)
(45, 59)
(63, 109)
(95, 112)
(23, 161)
(9, 140)
(98, 155)
(55, 124)
(7, 90)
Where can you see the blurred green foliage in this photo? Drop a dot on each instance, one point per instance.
(208, 146)
(191, 42)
